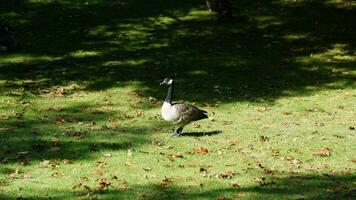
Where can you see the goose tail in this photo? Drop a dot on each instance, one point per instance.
(203, 114)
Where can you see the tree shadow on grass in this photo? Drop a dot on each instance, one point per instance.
(201, 134)
(75, 132)
(297, 186)
(284, 49)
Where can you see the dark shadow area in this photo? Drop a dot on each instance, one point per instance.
(200, 134)
(75, 133)
(283, 49)
(298, 186)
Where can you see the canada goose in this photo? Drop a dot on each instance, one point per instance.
(178, 113)
(7, 40)
(222, 7)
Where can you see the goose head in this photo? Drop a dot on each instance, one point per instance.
(167, 81)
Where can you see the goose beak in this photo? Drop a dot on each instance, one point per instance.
(161, 83)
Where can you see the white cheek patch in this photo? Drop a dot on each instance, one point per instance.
(170, 82)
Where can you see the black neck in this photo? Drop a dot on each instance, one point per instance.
(169, 94)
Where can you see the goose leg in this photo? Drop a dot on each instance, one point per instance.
(178, 132)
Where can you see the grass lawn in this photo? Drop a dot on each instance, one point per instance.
(80, 100)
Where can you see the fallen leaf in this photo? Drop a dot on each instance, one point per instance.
(204, 171)
(123, 187)
(158, 143)
(113, 121)
(107, 155)
(147, 169)
(178, 155)
(352, 128)
(81, 185)
(235, 185)
(152, 100)
(263, 138)
(201, 150)
(289, 158)
(226, 175)
(322, 152)
(240, 195)
(166, 181)
(66, 161)
(103, 184)
(49, 164)
(259, 165)
(59, 119)
(196, 125)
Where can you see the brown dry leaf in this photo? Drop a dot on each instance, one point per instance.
(201, 150)
(24, 161)
(204, 171)
(81, 185)
(107, 154)
(152, 100)
(178, 155)
(196, 125)
(113, 121)
(147, 169)
(232, 142)
(14, 174)
(325, 151)
(260, 181)
(127, 117)
(259, 165)
(226, 175)
(289, 158)
(103, 184)
(66, 161)
(235, 185)
(49, 164)
(55, 141)
(208, 105)
(59, 119)
(263, 138)
(227, 122)
(263, 109)
(127, 163)
(274, 152)
(240, 195)
(57, 174)
(166, 181)
(123, 187)
(287, 113)
(158, 143)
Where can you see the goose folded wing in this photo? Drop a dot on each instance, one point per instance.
(190, 113)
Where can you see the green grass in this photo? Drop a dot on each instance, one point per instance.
(278, 83)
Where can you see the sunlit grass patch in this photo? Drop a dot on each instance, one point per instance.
(84, 53)
(23, 59)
